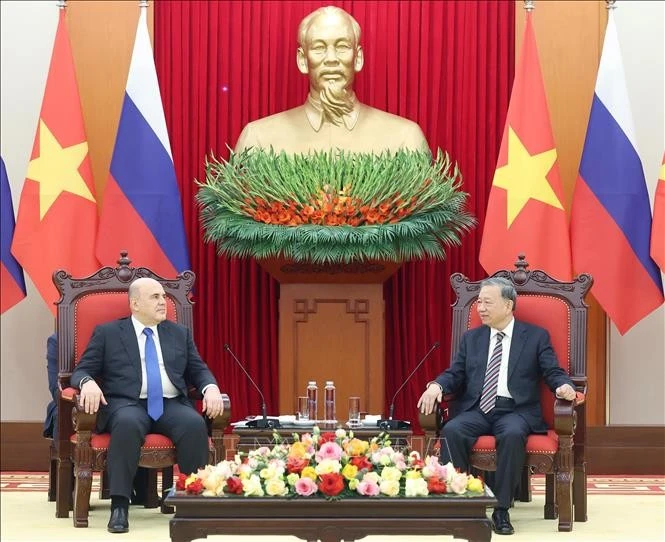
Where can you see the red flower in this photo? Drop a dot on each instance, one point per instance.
(195, 488)
(180, 482)
(361, 462)
(331, 484)
(296, 464)
(436, 485)
(234, 485)
(327, 437)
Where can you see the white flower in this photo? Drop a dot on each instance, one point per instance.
(389, 487)
(276, 487)
(252, 487)
(416, 487)
(391, 473)
(328, 466)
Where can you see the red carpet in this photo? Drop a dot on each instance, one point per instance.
(597, 485)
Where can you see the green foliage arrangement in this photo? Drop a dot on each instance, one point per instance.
(334, 206)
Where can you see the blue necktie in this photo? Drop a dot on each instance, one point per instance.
(155, 393)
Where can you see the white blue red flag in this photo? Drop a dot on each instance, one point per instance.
(611, 215)
(11, 273)
(141, 210)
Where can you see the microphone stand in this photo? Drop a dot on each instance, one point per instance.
(391, 424)
(259, 423)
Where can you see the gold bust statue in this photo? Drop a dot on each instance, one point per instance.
(332, 117)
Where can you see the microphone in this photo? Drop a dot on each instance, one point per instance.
(264, 422)
(402, 424)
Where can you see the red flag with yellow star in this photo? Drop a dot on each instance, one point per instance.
(57, 217)
(525, 212)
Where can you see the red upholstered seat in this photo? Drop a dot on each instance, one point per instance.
(153, 441)
(537, 444)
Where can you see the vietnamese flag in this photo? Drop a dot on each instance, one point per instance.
(525, 212)
(57, 215)
(658, 224)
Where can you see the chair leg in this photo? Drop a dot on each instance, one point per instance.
(104, 491)
(167, 484)
(151, 500)
(580, 492)
(52, 479)
(82, 490)
(551, 508)
(63, 499)
(564, 497)
(525, 485)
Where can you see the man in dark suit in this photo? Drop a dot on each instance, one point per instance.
(145, 364)
(496, 374)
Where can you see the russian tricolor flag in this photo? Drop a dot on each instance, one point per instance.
(11, 273)
(141, 210)
(611, 214)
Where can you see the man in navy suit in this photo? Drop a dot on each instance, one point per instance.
(131, 356)
(496, 374)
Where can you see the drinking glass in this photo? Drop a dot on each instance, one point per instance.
(354, 410)
(303, 408)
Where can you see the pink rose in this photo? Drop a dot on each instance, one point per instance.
(368, 488)
(306, 487)
(329, 450)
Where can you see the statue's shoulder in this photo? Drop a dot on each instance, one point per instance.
(405, 132)
(267, 131)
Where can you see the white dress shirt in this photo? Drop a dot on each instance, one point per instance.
(502, 389)
(168, 389)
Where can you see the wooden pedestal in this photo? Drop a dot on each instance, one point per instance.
(331, 327)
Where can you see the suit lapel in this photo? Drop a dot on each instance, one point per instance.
(516, 346)
(166, 341)
(131, 344)
(483, 346)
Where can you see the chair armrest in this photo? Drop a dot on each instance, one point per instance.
(432, 423)
(564, 417)
(221, 422)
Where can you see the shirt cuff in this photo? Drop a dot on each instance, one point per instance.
(434, 382)
(84, 380)
(203, 391)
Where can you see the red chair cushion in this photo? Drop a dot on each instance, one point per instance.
(152, 440)
(538, 444)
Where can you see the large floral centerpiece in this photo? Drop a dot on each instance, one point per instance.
(331, 465)
(333, 207)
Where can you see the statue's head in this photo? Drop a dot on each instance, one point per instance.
(330, 52)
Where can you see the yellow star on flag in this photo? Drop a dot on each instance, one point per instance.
(524, 177)
(56, 170)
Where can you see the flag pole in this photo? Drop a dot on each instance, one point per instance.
(529, 5)
(62, 4)
(143, 3)
(610, 4)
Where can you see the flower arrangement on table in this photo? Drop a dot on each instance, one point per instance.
(331, 465)
(333, 207)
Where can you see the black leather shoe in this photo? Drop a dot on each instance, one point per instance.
(118, 522)
(501, 522)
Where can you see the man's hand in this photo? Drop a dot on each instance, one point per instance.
(566, 392)
(91, 396)
(213, 404)
(430, 396)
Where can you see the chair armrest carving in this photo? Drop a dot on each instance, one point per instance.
(83, 423)
(564, 417)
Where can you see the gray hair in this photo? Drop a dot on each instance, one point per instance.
(507, 288)
(327, 10)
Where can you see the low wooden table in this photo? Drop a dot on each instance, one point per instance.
(315, 519)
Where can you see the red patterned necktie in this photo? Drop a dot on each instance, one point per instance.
(488, 397)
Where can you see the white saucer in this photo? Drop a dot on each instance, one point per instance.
(303, 423)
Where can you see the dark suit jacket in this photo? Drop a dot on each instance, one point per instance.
(51, 420)
(113, 357)
(531, 357)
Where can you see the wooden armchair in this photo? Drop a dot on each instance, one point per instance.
(558, 307)
(83, 304)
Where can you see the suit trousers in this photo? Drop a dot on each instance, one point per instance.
(510, 430)
(130, 424)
